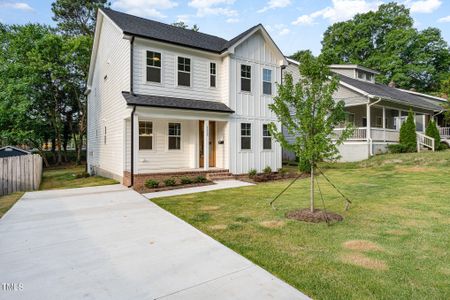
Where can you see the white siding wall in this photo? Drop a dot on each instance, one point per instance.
(200, 62)
(346, 72)
(106, 106)
(252, 107)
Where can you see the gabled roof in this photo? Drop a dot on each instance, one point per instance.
(175, 103)
(388, 93)
(145, 28)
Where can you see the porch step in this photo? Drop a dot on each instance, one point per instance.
(219, 176)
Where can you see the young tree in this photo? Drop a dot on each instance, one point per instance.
(308, 112)
(433, 131)
(408, 135)
(77, 17)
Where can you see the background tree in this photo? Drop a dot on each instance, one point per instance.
(445, 92)
(408, 135)
(183, 25)
(309, 113)
(386, 40)
(77, 17)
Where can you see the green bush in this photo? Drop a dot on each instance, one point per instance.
(200, 179)
(186, 180)
(152, 184)
(251, 172)
(267, 170)
(304, 166)
(170, 182)
(397, 148)
(408, 136)
(433, 131)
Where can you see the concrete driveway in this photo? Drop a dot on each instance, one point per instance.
(110, 242)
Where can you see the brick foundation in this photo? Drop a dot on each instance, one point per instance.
(140, 179)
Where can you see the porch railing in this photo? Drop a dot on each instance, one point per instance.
(445, 132)
(359, 134)
(424, 140)
(377, 134)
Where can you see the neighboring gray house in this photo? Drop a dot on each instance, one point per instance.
(9, 151)
(377, 111)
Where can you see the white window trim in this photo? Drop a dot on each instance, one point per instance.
(191, 81)
(153, 136)
(271, 81)
(167, 136)
(144, 76)
(240, 137)
(240, 77)
(266, 136)
(209, 74)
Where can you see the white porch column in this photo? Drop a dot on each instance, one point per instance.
(136, 144)
(368, 133)
(206, 144)
(384, 123)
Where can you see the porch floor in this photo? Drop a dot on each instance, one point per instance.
(184, 170)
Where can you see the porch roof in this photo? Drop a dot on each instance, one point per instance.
(389, 93)
(175, 103)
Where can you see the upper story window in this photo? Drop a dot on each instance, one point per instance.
(246, 78)
(184, 71)
(153, 66)
(365, 75)
(267, 82)
(145, 135)
(267, 138)
(212, 74)
(174, 136)
(246, 136)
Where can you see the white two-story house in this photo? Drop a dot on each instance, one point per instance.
(163, 100)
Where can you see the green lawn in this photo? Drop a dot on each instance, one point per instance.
(394, 242)
(64, 177)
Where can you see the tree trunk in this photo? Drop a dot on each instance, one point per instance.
(79, 149)
(312, 188)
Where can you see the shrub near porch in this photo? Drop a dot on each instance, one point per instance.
(392, 244)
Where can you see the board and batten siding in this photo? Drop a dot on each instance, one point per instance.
(106, 105)
(200, 62)
(252, 107)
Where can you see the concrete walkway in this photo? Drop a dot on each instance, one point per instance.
(219, 185)
(112, 243)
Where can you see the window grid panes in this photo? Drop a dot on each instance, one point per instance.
(246, 136)
(153, 66)
(145, 135)
(174, 136)
(212, 74)
(267, 138)
(246, 75)
(184, 71)
(267, 82)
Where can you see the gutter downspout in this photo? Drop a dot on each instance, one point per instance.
(369, 130)
(132, 114)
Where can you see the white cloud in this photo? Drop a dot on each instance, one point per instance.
(16, 5)
(423, 6)
(183, 18)
(278, 29)
(444, 20)
(213, 7)
(233, 20)
(284, 31)
(275, 4)
(144, 8)
(341, 10)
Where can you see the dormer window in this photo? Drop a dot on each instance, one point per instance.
(365, 76)
(153, 66)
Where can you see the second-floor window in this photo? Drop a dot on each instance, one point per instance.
(174, 136)
(212, 74)
(267, 138)
(246, 78)
(153, 66)
(267, 82)
(246, 136)
(184, 71)
(145, 135)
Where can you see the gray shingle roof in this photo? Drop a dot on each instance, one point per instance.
(167, 33)
(175, 103)
(389, 93)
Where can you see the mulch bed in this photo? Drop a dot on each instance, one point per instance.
(317, 216)
(175, 187)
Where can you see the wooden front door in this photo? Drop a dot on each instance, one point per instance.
(212, 144)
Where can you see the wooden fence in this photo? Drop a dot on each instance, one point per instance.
(20, 173)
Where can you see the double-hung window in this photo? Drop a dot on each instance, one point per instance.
(246, 136)
(212, 74)
(145, 135)
(184, 71)
(267, 82)
(153, 66)
(267, 138)
(174, 136)
(246, 78)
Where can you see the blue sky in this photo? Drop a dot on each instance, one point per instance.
(293, 24)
